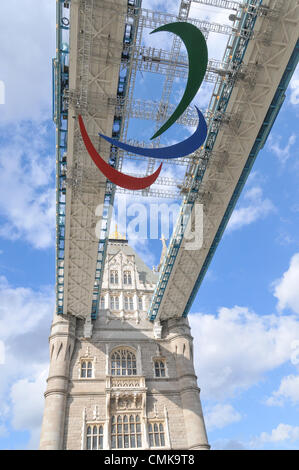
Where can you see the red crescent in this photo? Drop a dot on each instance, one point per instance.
(116, 177)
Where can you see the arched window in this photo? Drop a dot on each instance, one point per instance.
(127, 278)
(125, 431)
(156, 434)
(113, 277)
(86, 369)
(94, 437)
(160, 368)
(114, 302)
(123, 362)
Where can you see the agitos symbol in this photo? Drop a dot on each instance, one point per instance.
(198, 59)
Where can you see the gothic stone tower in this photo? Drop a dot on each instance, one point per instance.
(128, 383)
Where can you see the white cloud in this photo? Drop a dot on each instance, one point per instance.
(282, 153)
(27, 37)
(288, 390)
(283, 432)
(27, 406)
(25, 318)
(284, 238)
(27, 194)
(221, 415)
(228, 444)
(21, 309)
(236, 348)
(257, 208)
(286, 288)
(294, 87)
(171, 6)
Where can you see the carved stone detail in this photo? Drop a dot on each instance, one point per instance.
(126, 382)
(126, 401)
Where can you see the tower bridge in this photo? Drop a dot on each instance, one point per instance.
(255, 61)
(100, 49)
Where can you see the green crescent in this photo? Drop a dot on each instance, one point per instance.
(197, 51)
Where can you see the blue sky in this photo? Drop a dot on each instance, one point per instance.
(245, 317)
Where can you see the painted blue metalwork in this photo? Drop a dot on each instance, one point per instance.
(260, 141)
(60, 117)
(234, 55)
(60, 76)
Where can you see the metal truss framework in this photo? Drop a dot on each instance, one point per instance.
(168, 83)
(171, 64)
(226, 4)
(136, 57)
(74, 231)
(151, 59)
(81, 256)
(243, 119)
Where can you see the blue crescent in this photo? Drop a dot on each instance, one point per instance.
(186, 147)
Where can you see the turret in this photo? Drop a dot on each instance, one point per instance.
(61, 344)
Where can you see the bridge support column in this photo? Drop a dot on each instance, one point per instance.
(181, 339)
(61, 348)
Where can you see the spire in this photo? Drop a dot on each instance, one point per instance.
(116, 235)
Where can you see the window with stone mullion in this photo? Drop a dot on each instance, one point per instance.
(129, 303)
(127, 278)
(86, 369)
(123, 362)
(156, 435)
(125, 432)
(113, 277)
(114, 302)
(160, 368)
(94, 437)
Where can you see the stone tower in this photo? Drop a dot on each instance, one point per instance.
(126, 382)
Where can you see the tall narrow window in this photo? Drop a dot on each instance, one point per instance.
(129, 303)
(156, 434)
(102, 303)
(94, 437)
(123, 362)
(125, 432)
(113, 277)
(86, 369)
(140, 303)
(127, 277)
(160, 368)
(114, 302)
